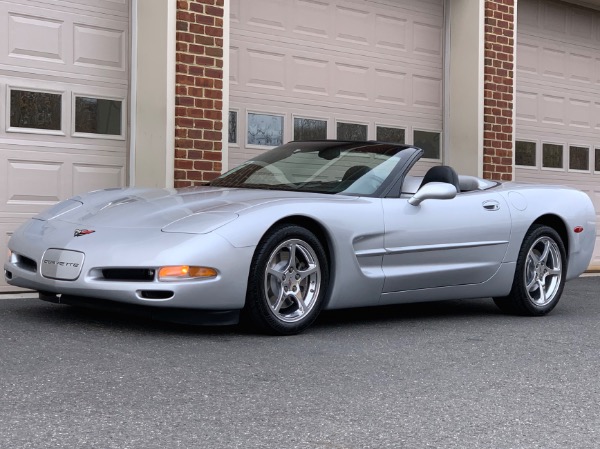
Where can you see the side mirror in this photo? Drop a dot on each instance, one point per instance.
(433, 191)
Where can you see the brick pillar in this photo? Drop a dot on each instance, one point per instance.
(499, 89)
(199, 91)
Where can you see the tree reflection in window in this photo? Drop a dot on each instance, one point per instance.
(309, 129)
(265, 129)
(525, 153)
(579, 158)
(391, 135)
(351, 131)
(552, 155)
(98, 116)
(429, 142)
(36, 110)
(232, 127)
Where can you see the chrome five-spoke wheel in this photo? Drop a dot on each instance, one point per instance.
(288, 280)
(292, 280)
(543, 271)
(539, 274)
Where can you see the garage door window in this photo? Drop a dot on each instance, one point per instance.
(233, 127)
(392, 135)
(98, 116)
(309, 129)
(525, 153)
(579, 158)
(429, 142)
(265, 129)
(552, 155)
(35, 110)
(351, 131)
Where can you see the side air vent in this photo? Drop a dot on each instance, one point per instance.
(156, 294)
(129, 274)
(26, 263)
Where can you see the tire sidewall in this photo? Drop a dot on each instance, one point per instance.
(257, 308)
(519, 288)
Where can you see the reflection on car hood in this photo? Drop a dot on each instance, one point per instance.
(156, 208)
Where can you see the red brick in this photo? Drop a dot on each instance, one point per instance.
(205, 20)
(195, 154)
(195, 113)
(212, 155)
(203, 145)
(195, 133)
(212, 11)
(203, 165)
(183, 164)
(197, 7)
(184, 101)
(197, 28)
(184, 143)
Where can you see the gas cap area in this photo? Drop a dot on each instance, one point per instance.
(517, 200)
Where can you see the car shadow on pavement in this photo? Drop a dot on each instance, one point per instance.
(439, 310)
(78, 317)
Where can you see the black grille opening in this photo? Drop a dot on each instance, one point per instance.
(8, 274)
(156, 294)
(26, 263)
(128, 274)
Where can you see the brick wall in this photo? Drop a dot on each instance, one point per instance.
(199, 91)
(499, 89)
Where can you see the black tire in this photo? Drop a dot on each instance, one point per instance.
(539, 281)
(285, 297)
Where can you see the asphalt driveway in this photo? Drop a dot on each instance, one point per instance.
(448, 375)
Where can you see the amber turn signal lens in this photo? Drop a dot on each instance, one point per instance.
(180, 272)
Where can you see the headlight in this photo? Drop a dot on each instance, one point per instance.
(185, 272)
(12, 257)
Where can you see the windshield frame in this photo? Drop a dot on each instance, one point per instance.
(329, 150)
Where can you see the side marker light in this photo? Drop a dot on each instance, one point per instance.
(182, 272)
(578, 229)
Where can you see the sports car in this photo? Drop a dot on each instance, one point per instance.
(305, 227)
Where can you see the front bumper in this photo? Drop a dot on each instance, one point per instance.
(119, 248)
(169, 314)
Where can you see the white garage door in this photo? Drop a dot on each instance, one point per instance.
(347, 69)
(64, 74)
(558, 97)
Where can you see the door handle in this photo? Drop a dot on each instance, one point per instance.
(491, 205)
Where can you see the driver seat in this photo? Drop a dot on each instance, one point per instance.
(441, 173)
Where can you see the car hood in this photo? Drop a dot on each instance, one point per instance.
(166, 208)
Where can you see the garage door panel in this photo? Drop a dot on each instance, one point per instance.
(63, 42)
(558, 95)
(393, 29)
(99, 48)
(32, 184)
(265, 69)
(33, 37)
(570, 109)
(34, 181)
(88, 177)
(64, 79)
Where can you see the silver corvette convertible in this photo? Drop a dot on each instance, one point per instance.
(304, 227)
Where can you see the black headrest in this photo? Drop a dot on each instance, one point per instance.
(355, 172)
(441, 173)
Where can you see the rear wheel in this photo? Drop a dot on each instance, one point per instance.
(539, 276)
(288, 281)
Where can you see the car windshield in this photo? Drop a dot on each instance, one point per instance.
(352, 168)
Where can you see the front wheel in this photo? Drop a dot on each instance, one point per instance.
(540, 274)
(288, 281)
